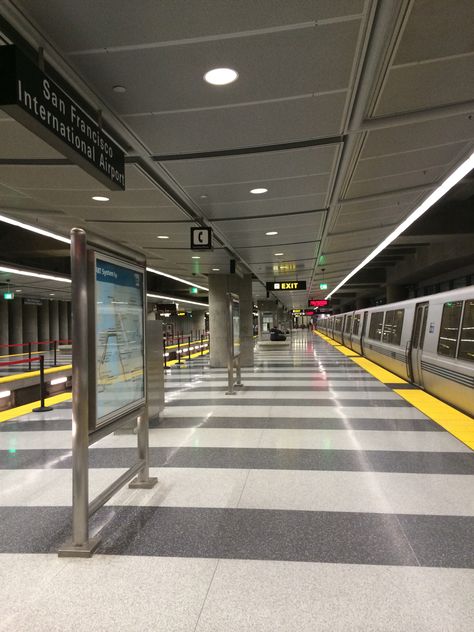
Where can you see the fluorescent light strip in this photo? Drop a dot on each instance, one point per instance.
(457, 175)
(37, 275)
(34, 229)
(175, 278)
(177, 300)
(66, 240)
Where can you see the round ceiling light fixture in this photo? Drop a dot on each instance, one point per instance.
(162, 237)
(215, 269)
(195, 257)
(272, 232)
(119, 89)
(221, 76)
(100, 198)
(278, 254)
(258, 191)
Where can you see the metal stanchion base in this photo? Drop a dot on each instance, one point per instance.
(229, 393)
(42, 409)
(148, 484)
(69, 549)
(238, 385)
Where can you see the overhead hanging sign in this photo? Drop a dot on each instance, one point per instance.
(201, 238)
(29, 96)
(317, 302)
(288, 286)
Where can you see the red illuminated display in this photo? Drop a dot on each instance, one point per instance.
(315, 303)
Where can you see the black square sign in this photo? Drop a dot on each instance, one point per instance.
(201, 238)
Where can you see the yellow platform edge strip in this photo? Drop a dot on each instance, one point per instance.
(455, 422)
(24, 376)
(28, 408)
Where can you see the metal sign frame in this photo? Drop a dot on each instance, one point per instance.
(84, 431)
(198, 244)
(233, 359)
(281, 286)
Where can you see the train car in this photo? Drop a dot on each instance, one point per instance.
(428, 341)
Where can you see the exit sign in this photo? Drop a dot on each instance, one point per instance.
(193, 290)
(285, 286)
(323, 286)
(8, 296)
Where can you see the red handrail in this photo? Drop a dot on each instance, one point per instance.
(20, 361)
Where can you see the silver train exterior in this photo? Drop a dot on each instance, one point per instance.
(428, 341)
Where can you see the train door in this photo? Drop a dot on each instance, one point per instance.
(417, 340)
(362, 332)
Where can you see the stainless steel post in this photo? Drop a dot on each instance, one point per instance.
(81, 545)
(230, 350)
(143, 479)
(238, 381)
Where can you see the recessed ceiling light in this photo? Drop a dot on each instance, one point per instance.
(215, 269)
(203, 197)
(119, 89)
(100, 198)
(221, 76)
(272, 232)
(18, 291)
(162, 237)
(52, 294)
(195, 257)
(278, 254)
(258, 191)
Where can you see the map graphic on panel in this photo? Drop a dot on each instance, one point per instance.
(119, 337)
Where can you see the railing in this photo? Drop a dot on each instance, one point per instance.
(185, 347)
(53, 346)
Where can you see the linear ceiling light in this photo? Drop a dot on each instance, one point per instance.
(37, 275)
(34, 229)
(174, 299)
(175, 278)
(457, 175)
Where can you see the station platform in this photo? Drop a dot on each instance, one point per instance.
(317, 498)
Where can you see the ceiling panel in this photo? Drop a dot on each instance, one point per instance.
(253, 167)
(271, 66)
(436, 29)
(270, 206)
(120, 22)
(427, 176)
(247, 125)
(417, 87)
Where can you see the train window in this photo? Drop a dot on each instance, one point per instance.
(449, 330)
(355, 327)
(392, 328)
(375, 329)
(466, 346)
(348, 324)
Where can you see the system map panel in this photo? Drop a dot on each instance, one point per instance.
(119, 338)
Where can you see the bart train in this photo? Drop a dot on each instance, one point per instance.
(428, 341)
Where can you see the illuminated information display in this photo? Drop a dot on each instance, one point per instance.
(119, 338)
(317, 302)
(288, 286)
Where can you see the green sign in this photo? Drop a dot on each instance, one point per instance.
(323, 286)
(193, 290)
(8, 296)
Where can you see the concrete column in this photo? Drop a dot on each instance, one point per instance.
(30, 324)
(54, 320)
(395, 293)
(246, 321)
(63, 325)
(43, 323)
(4, 325)
(219, 286)
(15, 321)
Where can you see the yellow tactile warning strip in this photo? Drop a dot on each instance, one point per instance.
(24, 376)
(28, 408)
(452, 420)
(455, 422)
(387, 377)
